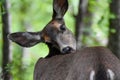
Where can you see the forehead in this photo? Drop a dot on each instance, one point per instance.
(56, 23)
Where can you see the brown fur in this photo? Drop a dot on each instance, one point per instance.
(78, 66)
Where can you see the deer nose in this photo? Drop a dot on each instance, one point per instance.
(67, 49)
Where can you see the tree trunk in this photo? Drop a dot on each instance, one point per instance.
(5, 24)
(114, 28)
(82, 12)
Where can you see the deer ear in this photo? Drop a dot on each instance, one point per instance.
(59, 8)
(25, 39)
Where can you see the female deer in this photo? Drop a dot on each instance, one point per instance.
(93, 63)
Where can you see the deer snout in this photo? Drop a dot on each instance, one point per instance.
(67, 50)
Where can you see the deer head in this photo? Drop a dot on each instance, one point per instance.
(55, 33)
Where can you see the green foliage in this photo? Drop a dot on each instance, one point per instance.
(2, 10)
(16, 64)
(100, 22)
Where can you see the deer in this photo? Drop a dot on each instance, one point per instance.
(64, 62)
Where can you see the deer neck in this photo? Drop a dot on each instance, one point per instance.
(52, 50)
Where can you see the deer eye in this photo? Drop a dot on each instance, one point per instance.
(62, 28)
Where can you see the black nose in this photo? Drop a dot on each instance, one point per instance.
(66, 49)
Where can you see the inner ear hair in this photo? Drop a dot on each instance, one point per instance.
(59, 8)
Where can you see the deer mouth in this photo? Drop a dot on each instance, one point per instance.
(63, 50)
